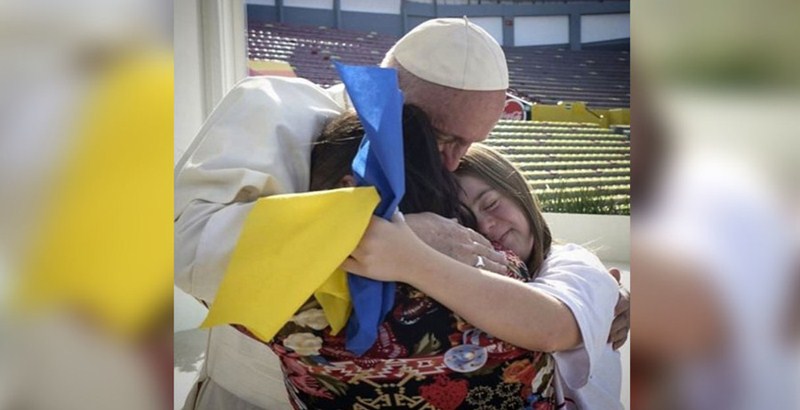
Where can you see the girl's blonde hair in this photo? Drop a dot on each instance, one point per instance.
(490, 166)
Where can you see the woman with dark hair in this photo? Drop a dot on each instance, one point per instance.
(426, 355)
(429, 187)
(565, 305)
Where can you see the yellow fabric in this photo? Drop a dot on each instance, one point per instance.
(105, 246)
(290, 245)
(334, 297)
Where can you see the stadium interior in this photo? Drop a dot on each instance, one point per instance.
(566, 122)
(567, 119)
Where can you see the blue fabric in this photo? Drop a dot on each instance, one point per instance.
(379, 162)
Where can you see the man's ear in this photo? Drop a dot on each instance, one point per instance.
(347, 181)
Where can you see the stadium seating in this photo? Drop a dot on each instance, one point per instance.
(572, 167)
(311, 50)
(547, 75)
(601, 78)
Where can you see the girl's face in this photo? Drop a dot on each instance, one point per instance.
(499, 217)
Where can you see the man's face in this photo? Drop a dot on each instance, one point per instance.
(452, 148)
(465, 122)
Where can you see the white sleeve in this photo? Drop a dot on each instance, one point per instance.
(339, 94)
(578, 279)
(205, 236)
(256, 143)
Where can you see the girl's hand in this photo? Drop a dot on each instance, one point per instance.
(456, 241)
(388, 251)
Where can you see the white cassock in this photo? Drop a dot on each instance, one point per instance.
(256, 143)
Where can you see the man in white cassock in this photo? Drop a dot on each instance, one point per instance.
(257, 143)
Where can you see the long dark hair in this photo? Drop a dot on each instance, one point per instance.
(429, 186)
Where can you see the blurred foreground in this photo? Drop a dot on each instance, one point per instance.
(716, 206)
(86, 120)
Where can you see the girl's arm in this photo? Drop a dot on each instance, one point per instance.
(506, 308)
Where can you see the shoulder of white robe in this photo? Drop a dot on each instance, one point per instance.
(239, 140)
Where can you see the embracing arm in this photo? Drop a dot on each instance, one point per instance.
(506, 308)
(621, 325)
(456, 241)
(256, 143)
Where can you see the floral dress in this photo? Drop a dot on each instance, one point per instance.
(409, 366)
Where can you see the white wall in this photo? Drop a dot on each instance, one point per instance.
(372, 6)
(310, 4)
(493, 25)
(210, 57)
(607, 235)
(365, 6)
(189, 96)
(541, 30)
(602, 27)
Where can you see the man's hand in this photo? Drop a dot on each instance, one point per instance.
(622, 314)
(456, 241)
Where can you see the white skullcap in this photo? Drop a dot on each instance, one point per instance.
(455, 53)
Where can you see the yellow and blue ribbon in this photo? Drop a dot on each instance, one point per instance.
(380, 163)
(271, 275)
(290, 247)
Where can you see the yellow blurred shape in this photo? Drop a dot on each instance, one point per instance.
(106, 248)
(291, 246)
(270, 67)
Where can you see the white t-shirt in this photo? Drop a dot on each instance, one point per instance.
(590, 376)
